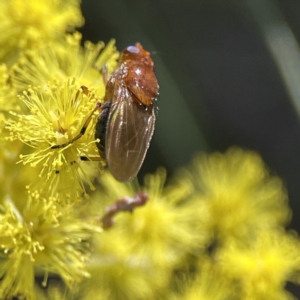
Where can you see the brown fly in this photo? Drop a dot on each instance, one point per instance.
(126, 123)
(126, 120)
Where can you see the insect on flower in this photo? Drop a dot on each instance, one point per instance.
(126, 120)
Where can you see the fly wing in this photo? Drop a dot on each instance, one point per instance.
(130, 129)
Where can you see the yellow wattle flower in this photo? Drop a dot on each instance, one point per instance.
(41, 237)
(164, 229)
(8, 94)
(60, 61)
(237, 195)
(207, 282)
(65, 86)
(25, 25)
(262, 266)
(136, 257)
(55, 118)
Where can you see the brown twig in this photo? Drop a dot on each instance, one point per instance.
(122, 204)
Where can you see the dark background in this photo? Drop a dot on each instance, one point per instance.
(219, 83)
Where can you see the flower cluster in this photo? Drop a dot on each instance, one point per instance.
(43, 235)
(69, 230)
(50, 87)
(28, 24)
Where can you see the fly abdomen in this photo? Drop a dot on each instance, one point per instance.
(101, 126)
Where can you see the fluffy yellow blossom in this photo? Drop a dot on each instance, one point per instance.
(135, 258)
(262, 267)
(41, 236)
(53, 119)
(118, 271)
(9, 151)
(8, 95)
(166, 227)
(208, 282)
(238, 194)
(43, 64)
(55, 290)
(8, 101)
(26, 24)
(54, 112)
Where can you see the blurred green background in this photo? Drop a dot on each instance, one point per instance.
(228, 74)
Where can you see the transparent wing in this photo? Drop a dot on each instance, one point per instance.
(130, 129)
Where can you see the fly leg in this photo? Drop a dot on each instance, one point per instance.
(85, 125)
(100, 131)
(96, 158)
(104, 72)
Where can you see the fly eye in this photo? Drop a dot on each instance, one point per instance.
(133, 49)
